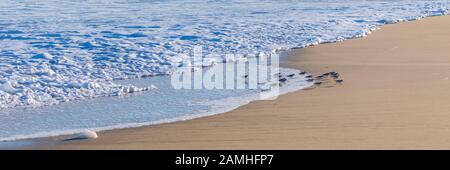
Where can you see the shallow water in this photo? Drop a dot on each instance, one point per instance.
(154, 107)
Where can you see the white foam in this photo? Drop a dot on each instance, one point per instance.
(57, 50)
(8, 87)
(85, 134)
(43, 56)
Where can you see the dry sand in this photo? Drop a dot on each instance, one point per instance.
(396, 95)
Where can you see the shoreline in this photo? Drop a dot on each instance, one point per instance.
(298, 121)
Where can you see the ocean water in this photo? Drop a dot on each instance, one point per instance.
(102, 64)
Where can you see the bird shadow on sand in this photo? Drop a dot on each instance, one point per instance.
(74, 139)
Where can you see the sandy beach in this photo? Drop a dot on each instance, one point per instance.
(394, 96)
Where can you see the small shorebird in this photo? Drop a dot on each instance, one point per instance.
(339, 81)
(302, 73)
(291, 75)
(283, 80)
(319, 77)
(318, 83)
(335, 75)
(309, 80)
(308, 76)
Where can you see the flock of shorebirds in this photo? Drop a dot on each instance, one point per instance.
(325, 78)
(318, 80)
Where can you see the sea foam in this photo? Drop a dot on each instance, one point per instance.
(53, 51)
